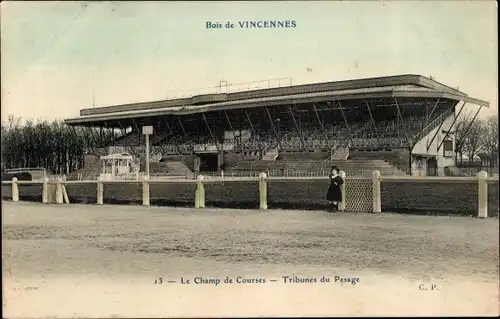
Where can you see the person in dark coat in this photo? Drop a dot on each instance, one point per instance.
(334, 195)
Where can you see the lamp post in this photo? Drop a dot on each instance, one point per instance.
(147, 131)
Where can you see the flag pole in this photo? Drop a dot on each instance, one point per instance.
(93, 89)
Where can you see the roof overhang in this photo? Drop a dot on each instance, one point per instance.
(357, 94)
(215, 95)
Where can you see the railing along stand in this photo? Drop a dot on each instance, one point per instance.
(145, 191)
(482, 194)
(199, 200)
(377, 205)
(59, 193)
(263, 191)
(100, 191)
(15, 190)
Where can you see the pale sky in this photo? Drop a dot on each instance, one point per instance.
(144, 51)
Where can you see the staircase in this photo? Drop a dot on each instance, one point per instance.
(432, 125)
(170, 168)
(342, 153)
(271, 155)
(87, 173)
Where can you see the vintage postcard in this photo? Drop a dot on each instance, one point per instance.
(249, 159)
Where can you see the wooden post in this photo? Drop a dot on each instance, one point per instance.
(145, 191)
(377, 205)
(263, 191)
(342, 204)
(59, 194)
(45, 190)
(64, 190)
(199, 201)
(15, 190)
(482, 194)
(100, 191)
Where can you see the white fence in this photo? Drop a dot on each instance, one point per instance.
(55, 191)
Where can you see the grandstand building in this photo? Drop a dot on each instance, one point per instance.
(397, 124)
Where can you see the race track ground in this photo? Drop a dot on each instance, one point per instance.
(102, 261)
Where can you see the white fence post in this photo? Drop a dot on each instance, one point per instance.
(15, 190)
(263, 191)
(59, 194)
(100, 191)
(482, 194)
(377, 202)
(343, 204)
(199, 200)
(145, 191)
(45, 190)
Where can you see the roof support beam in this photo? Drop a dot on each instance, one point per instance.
(185, 134)
(230, 124)
(169, 130)
(408, 141)
(155, 131)
(274, 129)
(94, 139)
(138, 132)
(433, 109)
(210, 131)
(125, 134)
(439, 128)
(453, 123)
(323, 132)
(298, 129)
(345, 122)
(254, 133)
(373, 124)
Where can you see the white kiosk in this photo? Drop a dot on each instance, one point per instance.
(119, 166)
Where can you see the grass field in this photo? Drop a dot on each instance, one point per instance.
(88, 260)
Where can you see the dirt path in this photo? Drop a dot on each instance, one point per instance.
(83, 260)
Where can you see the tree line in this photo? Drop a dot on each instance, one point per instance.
(474, 137)
(54, 146)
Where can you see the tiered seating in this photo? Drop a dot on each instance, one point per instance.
(132, 139)
(356, 167)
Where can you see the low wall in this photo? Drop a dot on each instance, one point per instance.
(408, 197)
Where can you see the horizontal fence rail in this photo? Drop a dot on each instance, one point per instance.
(357, 193)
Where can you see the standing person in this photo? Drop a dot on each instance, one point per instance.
(334, 195)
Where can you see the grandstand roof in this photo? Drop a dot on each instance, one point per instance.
(414, 86)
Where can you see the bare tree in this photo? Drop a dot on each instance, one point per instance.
(473, 140)
(490, 140)
(461, 127)
(53, 146)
